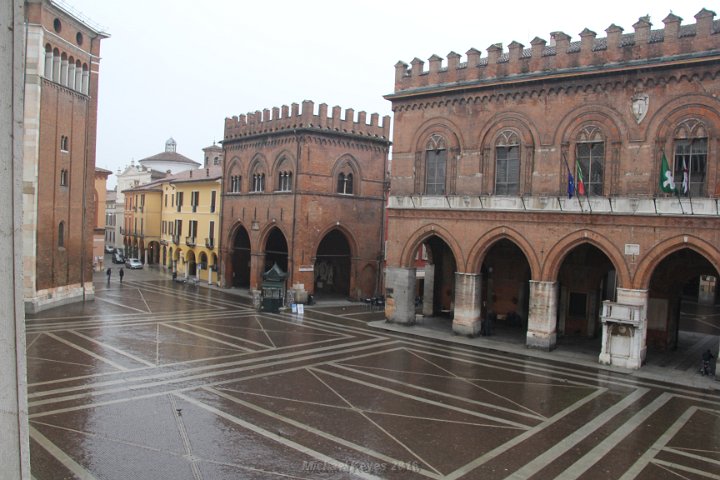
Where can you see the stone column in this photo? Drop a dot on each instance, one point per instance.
(400, 295)
(466, 320)
(542, 318)
(14, 448)
(638, 345)
(428, 290)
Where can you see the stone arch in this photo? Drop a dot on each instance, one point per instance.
(352, 241)
(612, 123)
(669, 117)
(453, 142)
(485, 243)
(257, 172)
(527, 134)
(346, 164)
(284, 164)
(557, 254)
(233, 172)
(407, 257)
(650, 261)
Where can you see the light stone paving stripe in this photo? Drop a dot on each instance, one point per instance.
(144, 301)
(375, 424)
(130, 385)
(659, 445)
(114, 349)
(184, 389)
(87, 352)
(604, 447)
(278, 354)
(318, 432)
(77, 469)
(368, 410)
(683, 468)
(467, 381)
(177, 414)
(426, 400)
(206, 337)
(694, 456)
(441, 394)
(240, 339)
(539, 370)
(118, 304)
(524, 436)
(577, 436)
(273, 436)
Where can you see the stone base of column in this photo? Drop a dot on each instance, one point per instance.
(541, 341)
(542, 318)
(466, 319)
(400, 295)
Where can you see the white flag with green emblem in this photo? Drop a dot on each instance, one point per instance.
(667, 183)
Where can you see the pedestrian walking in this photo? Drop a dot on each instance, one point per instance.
(121, 273)
(705, 368)
(108, 273)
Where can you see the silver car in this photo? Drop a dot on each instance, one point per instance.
(133, 263)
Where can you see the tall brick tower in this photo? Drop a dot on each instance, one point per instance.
(60, 123)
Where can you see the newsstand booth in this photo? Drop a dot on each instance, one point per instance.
(273, 289)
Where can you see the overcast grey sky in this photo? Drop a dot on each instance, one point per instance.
(179, 68)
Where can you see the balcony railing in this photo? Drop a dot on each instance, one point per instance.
(190, 241)
(210, 243)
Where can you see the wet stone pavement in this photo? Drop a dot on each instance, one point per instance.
(160, 380)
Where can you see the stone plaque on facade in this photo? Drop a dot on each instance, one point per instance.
(632, 249)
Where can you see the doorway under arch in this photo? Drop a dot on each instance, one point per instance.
(435, 287)
(276, 250)
(332, 264)
(586, 277)
(506, 288)
(683, 301)
(241, 259)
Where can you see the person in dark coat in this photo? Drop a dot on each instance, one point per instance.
(121, 273)
(108, 273)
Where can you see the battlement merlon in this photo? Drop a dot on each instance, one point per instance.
(561, 53)
(294, 117)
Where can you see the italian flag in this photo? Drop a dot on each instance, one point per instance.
(580, 182)
(667, 183)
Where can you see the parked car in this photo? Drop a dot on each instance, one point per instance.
(109, 249)
(133, 263)
(118, 257)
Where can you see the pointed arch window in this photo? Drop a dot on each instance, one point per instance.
(284, 181)
(235, 183)
(435, 165)
(258, 182)
(590, 155)
(345, 183)
(507, 163)
(690, 157)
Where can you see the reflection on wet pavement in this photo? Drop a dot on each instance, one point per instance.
(155, 380)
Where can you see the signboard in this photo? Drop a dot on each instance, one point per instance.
(632, 249)
(307, 268)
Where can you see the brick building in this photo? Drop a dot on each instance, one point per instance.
(483, 154)
(304, 190)
(60, 123)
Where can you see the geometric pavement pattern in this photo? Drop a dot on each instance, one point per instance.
(164, 381)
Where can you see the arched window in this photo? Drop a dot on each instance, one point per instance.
(48, 61)
(345, 184)
(61, 234)
(63, 178)
(235, 184)
(435, 165)
(690, 159)
(590, 155)
(507, 164)
(258, 182)
(284, 181)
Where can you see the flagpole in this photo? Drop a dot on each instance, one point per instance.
(567, 165)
